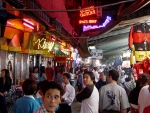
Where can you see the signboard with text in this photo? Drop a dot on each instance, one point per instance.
(96, 53)
(87, 11)
(88, 15)
(141, 55)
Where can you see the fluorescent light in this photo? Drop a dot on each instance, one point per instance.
(28, 21)
(10, 23)
(27, 25)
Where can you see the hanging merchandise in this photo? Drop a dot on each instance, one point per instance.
(142, 67)
(139, 41)
(140, 34)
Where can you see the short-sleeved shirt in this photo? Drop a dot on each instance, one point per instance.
(26, 104)
(42, 109)
(113, 97)
(89, 97)
(143, 99)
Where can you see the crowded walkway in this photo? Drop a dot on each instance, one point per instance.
(77, 92)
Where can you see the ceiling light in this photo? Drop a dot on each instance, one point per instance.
(28, 21)
(27, 25)
(92, 47)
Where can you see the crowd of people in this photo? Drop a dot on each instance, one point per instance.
(49, 90)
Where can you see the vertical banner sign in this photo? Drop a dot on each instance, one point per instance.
(99, 12)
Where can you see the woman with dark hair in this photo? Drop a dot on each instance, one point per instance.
(143, 99)
(134, 94)
(42, 75)
(60, 77)
(9, 67)
(35, 74)
(89, 96)
(5, 85)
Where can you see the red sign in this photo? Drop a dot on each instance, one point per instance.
(87, 11)
(87, 21)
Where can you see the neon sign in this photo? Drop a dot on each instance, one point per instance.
(42, 43)
(87, 21)
(89, 27)
(87, 11)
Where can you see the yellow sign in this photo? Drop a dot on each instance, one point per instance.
(43, 44)
(43, 52)
(31, 51)
(12, 48)
(49, 56)
(3, 47)
(141, 55)
(25, 51)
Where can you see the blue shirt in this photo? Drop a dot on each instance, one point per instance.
(26, 105)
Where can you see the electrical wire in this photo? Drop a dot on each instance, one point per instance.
(71, 10)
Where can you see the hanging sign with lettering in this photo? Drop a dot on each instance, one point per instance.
(87, 21)
(43, 44)
(87, 11)
(96, 53)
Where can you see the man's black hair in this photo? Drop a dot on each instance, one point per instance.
(67, 75)
(114, 74)
(29, 87)
(91, 74)
(52, 85)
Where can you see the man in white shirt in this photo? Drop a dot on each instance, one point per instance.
(89, 96)
(113, 98)
(96, 74)
(69, 91)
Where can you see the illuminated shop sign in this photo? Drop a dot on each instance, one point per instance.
(43, 44)
(89, 27)
(87, 11)
(87, 21)
(65, 51)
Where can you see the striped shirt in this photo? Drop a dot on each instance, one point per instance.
(42, 109)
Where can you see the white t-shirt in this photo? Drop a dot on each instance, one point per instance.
(144, 98)
(113, 97)
(90, 105)
(96, 75)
